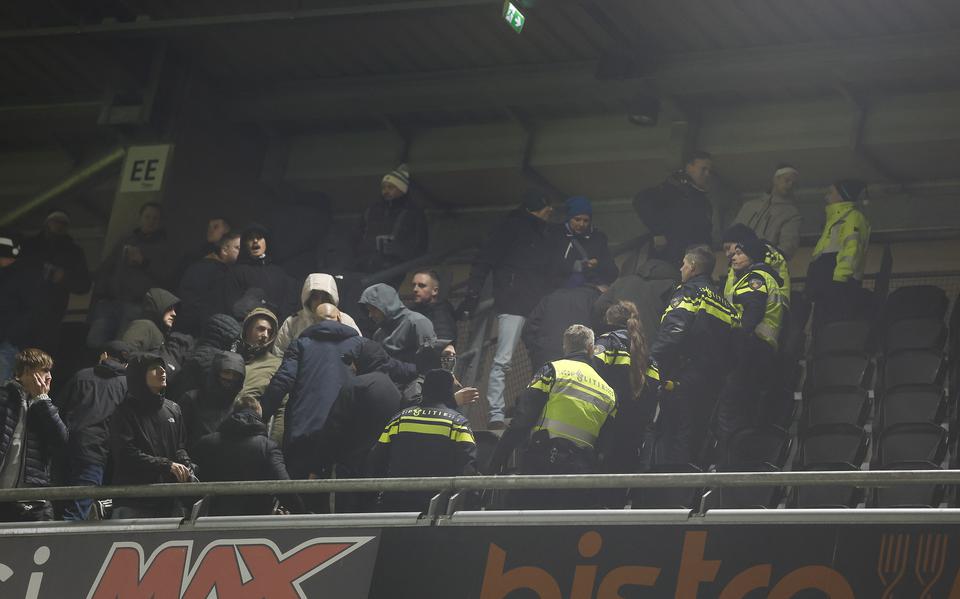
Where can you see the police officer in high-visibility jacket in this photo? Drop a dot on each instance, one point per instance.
(759, 304)
(692, 349)
(772, 256)
(565, 406)
(835, 273)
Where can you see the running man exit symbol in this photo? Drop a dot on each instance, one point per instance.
(513, 16)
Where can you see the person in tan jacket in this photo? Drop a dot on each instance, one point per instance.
(775, 217)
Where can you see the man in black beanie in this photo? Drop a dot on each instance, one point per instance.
(740, 233)
(431, 439)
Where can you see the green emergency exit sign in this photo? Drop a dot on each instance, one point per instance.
(513, 16)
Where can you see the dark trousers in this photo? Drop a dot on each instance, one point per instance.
(685, 414)
(556, 456)
(740, 402)
(81, 475)
(26, 511)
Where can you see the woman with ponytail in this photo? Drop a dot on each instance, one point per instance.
(624, 364)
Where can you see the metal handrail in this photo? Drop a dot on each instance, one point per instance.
(885, 478)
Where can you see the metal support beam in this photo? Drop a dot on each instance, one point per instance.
(530, 138)
(64, 186)
(861, 112)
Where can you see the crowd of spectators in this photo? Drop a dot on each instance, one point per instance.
(221, 365)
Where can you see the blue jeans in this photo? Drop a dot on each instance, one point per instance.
(108, 318)
(509, 327)
(81, 475)
(8, 354)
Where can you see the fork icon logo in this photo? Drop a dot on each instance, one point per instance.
(931, 555)
(892, 561)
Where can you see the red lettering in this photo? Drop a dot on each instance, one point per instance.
(125, 576)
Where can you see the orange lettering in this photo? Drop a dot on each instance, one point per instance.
(644, 576)
(497, 584)
(693, 568)
(756, 577)
(821, 578)
(125, 575)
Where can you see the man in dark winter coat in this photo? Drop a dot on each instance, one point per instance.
(86, 403)
(401, 330)
(204, 286)
(30, 432)
(159, 313)
(136, 263)
(21, 302)
(148, 440)
(218, 334)
(64, 268)
(580, 252)
(517, 251)
(241, 450)
(392, 229)
(543, 331)
(206, 407)
(256, 270)
(432, 439)
(426, 301)
(677, 211)
(648, 287)
(311, 375)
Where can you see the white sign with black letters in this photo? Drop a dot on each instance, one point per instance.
(143, 168)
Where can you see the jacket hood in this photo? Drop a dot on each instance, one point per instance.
(835, 210)
(656, 269)
(245, 423)
(156, 302)
(220, 331)
(384, 298)
(319, 281)
(110, 368)
(214, 393)
(368, 356)
(250, 352)
(329, 330)
(137, 391)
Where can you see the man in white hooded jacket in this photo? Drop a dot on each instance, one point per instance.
(318, 288)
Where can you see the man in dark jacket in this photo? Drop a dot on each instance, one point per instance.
(401, 330)
(86, 403)
(677, 212)
(241, 450)
(432, 439)
(543, 331)
(392, 229)
(136, 263)
(426, 301)
(30, 432)
(64, 268)
(159, 313)
(581, 254)
(206, 407)
(648, 287)
(204, 286)
(219, 333)
(311, 374)
(148, 440)
(692, 350)
(517, 251)
(256, 270)
(21, 302)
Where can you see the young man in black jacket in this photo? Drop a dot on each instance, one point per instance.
(30, 431)
(148, 440)
(86, 403)
(517, 252)
(426, 301)
(241, 450)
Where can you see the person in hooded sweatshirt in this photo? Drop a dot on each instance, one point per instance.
(149, 333)
(581, 254)
(205, 408)
(148, 440)
(401, 330)
(255, 344)
(432, 439)
(241, 450)
(218, 334)
(310, 376)
(86, 403)
(318, 288)
(255, 270)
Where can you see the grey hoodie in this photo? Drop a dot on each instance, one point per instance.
(402, 330)
(149, 333)
(648, 287)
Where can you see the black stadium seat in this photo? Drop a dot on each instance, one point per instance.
(913, 367)
(846, 336)
(915, 301)
(831, 496)
(827, 446)
(915, 333)
(755, 445)
(915, 496)
(915, 403)
(911, 443)
(668, 497)
(836, 407)
(838, 371)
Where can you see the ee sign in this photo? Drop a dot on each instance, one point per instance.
(143, 168)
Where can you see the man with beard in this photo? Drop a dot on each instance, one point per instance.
(148, 440)
(426, 301)
(393, 229)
